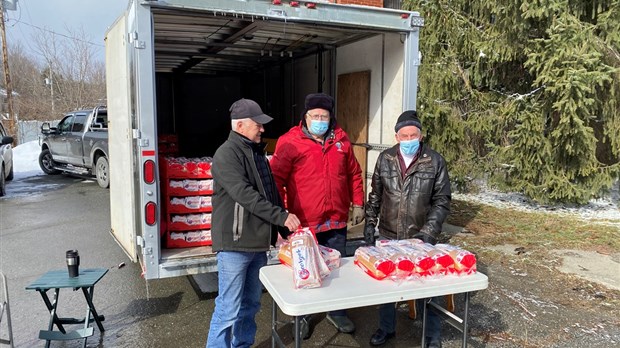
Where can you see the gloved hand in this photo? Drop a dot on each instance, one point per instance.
(426, 238)
(357, 215)
(369, 234)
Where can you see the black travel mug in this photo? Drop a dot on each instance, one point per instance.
(73, 263)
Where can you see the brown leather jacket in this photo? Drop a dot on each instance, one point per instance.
(417, 203)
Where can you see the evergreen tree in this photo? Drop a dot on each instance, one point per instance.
(524, 94)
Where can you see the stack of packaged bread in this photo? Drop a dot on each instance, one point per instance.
(413, 259)
(398, 260)
(310, 261)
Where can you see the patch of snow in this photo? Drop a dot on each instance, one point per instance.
(597, 209)
(26, 160)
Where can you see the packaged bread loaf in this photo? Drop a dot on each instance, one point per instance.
(284, 254)
(329, 255)
(308, 265)
(402, 262)
(383, 242)
(423, 264)
(464, 261)
(374, 262)
(305, 268)
(443, 262)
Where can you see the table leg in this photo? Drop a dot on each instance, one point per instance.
(424, 315)
(465, 317)
(297, 333)
(51, 307)
(274, 319)
(88, 294)
(53, 317)
(86, 324)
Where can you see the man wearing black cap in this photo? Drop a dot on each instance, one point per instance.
(247, 211)
(410, 198)
(316, 170)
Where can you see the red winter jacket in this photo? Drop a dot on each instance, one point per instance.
(319, 182)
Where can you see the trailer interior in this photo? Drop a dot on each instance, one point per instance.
(205, 61)
(187, 61)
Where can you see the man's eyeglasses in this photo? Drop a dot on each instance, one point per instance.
(318, 117)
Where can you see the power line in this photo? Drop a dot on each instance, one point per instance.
(59, 34)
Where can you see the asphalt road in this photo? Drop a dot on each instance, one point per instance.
(60, 213)
(52, 214)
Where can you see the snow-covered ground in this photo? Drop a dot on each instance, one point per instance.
(604, 209)
(26, 162)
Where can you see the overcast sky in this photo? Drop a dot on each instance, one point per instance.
(94, 16)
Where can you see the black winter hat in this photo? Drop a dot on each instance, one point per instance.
(320, 101)
(408, 118)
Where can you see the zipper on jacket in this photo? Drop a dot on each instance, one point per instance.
(237, 222)
(261, 187)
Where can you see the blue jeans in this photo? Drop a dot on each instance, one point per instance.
(387, 319)
(335, 239)
(238, 299)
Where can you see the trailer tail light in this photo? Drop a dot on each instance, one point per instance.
(149, 171)
(311, 5)
(294, 3)
(277, 2)
(150, 213)
(404, 15)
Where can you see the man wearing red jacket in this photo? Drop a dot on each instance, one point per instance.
(315, 169)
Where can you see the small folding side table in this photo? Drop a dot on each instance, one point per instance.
(60, 279)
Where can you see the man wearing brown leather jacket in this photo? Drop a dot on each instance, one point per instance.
(410, 198)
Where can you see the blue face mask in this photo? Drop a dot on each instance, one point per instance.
(410, 147)
(318, 127)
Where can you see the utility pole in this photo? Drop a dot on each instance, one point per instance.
(11, 126)
(50, 82)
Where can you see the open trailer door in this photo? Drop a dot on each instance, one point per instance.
(122, 197)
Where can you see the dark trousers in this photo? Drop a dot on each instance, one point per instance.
(335, 239)
(387, 319)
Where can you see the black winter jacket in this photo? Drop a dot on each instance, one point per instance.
(419, 203)
(243, 219)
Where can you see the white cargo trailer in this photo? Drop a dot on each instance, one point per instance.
(176, 66)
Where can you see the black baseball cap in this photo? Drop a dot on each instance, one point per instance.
(247, 108)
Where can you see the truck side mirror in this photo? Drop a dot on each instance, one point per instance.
(46, 129)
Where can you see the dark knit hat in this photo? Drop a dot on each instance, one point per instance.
(319, 101)
(247, 108)
(408, 118)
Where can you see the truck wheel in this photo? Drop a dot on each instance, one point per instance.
(47, 163)
(102, 172)
(2, 182)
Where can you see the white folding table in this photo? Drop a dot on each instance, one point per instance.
(349, 287)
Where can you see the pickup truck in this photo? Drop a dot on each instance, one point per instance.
(77, 145)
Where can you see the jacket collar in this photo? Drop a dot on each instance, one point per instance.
(240, 139)
(424, 155)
